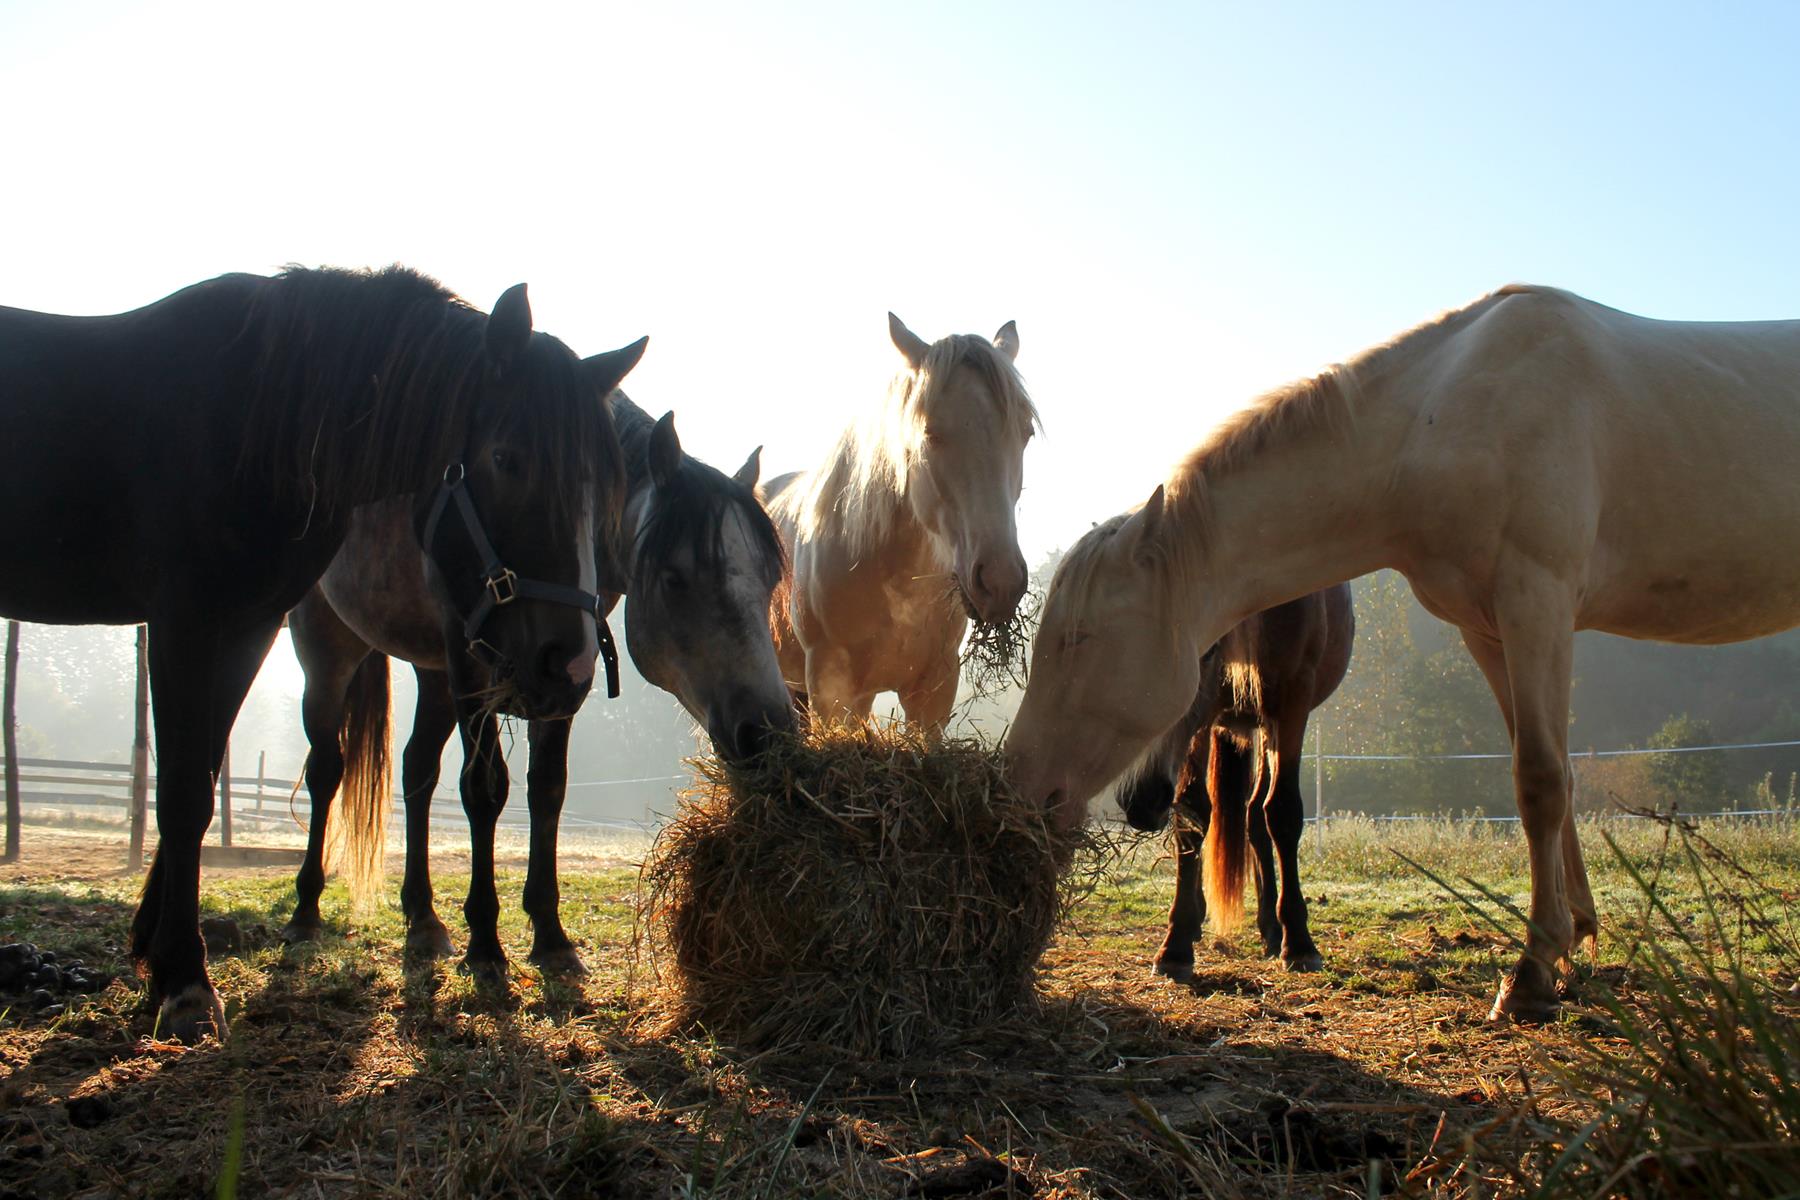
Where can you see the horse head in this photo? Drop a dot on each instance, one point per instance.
(704, 563)
(510, 536)
(969, 420)
(1111, 670)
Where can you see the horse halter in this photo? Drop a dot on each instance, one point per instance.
(501, 585)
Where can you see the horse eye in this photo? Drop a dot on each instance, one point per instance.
(674, 581)
(504, 462)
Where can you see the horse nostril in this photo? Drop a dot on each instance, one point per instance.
(557, 665)
(750, 739)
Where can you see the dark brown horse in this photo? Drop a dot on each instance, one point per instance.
(193, 465)
(1233, 765)
(700, 562)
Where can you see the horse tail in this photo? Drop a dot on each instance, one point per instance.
(1229, 779)
(366, 794)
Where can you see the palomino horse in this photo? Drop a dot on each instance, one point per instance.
(194, 464)
(907, 530)
(1534, 463)
(1259, 684)
(704, 560)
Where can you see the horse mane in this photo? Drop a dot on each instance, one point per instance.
(692, 512)
(369, 382)
(862, 484)
(1318, 401)
(1325, 399)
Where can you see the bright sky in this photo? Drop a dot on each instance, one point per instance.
(1180, 204)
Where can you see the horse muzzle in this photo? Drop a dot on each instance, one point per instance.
(1147, 800)
(741, 735)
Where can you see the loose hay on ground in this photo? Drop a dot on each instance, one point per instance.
(861, 888)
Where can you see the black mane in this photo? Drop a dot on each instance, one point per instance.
(692, 512)
(371, 381)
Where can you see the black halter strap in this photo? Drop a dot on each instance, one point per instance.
(501, 586)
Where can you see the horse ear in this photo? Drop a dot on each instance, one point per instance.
(751, 471)
(664, 452)
(910, 344)
(609, 370)
(1007, 340)
(509, 329)
(1147, 523)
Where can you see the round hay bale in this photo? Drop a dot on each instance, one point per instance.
(863, 888)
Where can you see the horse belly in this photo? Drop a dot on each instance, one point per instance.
(1708, 605)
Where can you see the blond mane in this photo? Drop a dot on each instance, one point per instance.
(1327, 399)
(861, 486)
(1324, 400)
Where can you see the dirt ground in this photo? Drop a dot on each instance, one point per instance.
(349, 1072)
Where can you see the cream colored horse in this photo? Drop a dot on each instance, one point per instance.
(905, 529)
(1534, 464)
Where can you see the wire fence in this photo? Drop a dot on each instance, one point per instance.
(54, 789)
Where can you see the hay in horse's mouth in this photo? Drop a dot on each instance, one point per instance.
(996, 657)
(872, 888)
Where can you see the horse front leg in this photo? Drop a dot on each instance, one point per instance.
(434, 719)
(1535, 617)
(198, 679)
(932, 697)
(833, 689)
(484, 785)
(546, 781)
(1193, 816)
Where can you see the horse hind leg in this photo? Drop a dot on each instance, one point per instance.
(546, 784)
(1284, 811)
(1262, 857)
(1187, 913)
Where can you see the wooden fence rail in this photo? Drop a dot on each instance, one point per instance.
(261, 801)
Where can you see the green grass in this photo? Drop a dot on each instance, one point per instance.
(359, 1076)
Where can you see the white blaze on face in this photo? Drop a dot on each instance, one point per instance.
(581, 666)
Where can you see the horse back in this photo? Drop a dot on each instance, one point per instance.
(123, 438)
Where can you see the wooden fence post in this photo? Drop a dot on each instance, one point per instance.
(140, 750)
(225, 797)
(9, 743)
(262, 776)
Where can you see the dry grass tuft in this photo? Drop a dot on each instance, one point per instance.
(863, 888)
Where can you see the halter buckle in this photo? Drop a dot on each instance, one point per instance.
(504, 587)
(454, 474)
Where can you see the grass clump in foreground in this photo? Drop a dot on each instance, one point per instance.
(866, 888)
(1689, 1074)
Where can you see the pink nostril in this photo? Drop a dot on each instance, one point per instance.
(579, 667)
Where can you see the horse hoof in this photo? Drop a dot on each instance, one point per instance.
(1177, 972)
(562, 960)
(191, 1014)
(1307, 962)
(486, 972)
(426, 942)
(297, 932)
(1522, 1003)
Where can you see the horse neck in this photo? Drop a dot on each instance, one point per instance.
(1311, 507)
(886, 528)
